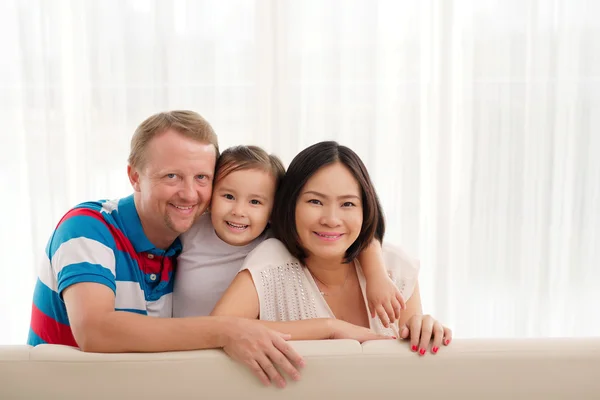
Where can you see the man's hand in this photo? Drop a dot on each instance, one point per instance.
(261, 349)
(345, 330)
(384, 299)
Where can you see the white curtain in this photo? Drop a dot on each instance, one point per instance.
(479, 121)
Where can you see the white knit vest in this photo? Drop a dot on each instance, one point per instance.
(287, 291)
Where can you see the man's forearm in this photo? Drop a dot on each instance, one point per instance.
(120, 332)
(309, 329)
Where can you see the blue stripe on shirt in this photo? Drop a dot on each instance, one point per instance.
(49, 303)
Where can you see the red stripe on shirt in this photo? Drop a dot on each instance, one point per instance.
(121, 241)
(147, 265)
(49, 330)
(153, 266)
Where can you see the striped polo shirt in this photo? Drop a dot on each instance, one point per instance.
(101, 242)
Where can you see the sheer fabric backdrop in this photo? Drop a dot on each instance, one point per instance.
(478, 120)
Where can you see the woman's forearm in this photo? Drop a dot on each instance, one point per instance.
(309, 329)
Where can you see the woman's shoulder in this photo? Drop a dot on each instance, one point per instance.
(271, 252)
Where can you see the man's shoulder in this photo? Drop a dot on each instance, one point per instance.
(87, 221)
(108, 209)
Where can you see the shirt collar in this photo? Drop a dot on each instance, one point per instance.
(135, 232)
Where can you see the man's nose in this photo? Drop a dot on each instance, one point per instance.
(188, 192)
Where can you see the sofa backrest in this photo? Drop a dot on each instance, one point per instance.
(467, 369)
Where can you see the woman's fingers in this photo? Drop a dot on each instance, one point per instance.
(404, 332)
(426, 332)
(438, 336)
(447, 336)
(415, 332)
(423, 330)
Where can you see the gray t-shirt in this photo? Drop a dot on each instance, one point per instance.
(205, 269)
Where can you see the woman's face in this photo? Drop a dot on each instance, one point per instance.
(329, 213)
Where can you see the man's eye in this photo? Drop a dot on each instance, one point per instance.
(201, 177)
(255, 202)
(314, 201)
(229, 196)
(171, 176)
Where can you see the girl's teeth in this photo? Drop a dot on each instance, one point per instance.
(237, 226)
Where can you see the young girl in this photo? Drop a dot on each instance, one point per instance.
(246, 178)
(214, 249)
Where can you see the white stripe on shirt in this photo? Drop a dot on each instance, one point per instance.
(80, 250)
(130, 295)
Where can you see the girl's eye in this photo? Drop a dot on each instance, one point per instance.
(314, 201)
(229, 196)
(255, 202)
(348, 204)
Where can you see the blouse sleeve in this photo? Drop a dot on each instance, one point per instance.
(403, 269)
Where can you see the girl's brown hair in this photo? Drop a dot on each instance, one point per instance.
(241, 158)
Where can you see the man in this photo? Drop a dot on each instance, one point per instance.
(109, 267)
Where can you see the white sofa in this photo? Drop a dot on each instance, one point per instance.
(467, 369)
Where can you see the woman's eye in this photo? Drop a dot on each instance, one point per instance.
(229, 196)
(314, 201)
(348, 204)
(255, 202)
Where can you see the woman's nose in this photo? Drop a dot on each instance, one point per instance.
(330, 218)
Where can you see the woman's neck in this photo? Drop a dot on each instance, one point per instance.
(329, 273)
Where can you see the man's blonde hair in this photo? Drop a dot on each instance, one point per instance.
(187, 123)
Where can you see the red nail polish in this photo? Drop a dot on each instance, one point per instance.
(414, 348)
(447, 342)
(422, 352)
(435, 349)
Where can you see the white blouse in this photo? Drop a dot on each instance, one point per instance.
(287, 291)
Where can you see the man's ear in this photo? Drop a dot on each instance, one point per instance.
(134, 177)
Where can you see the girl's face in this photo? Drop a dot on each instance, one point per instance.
(241, 205)
(329, 213)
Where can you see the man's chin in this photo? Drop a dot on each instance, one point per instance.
(181, 227)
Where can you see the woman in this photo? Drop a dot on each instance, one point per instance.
(326, 212)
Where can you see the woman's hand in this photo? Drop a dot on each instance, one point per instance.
(344, 330)
(423, 329)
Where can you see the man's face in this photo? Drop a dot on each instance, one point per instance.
(173, 186)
